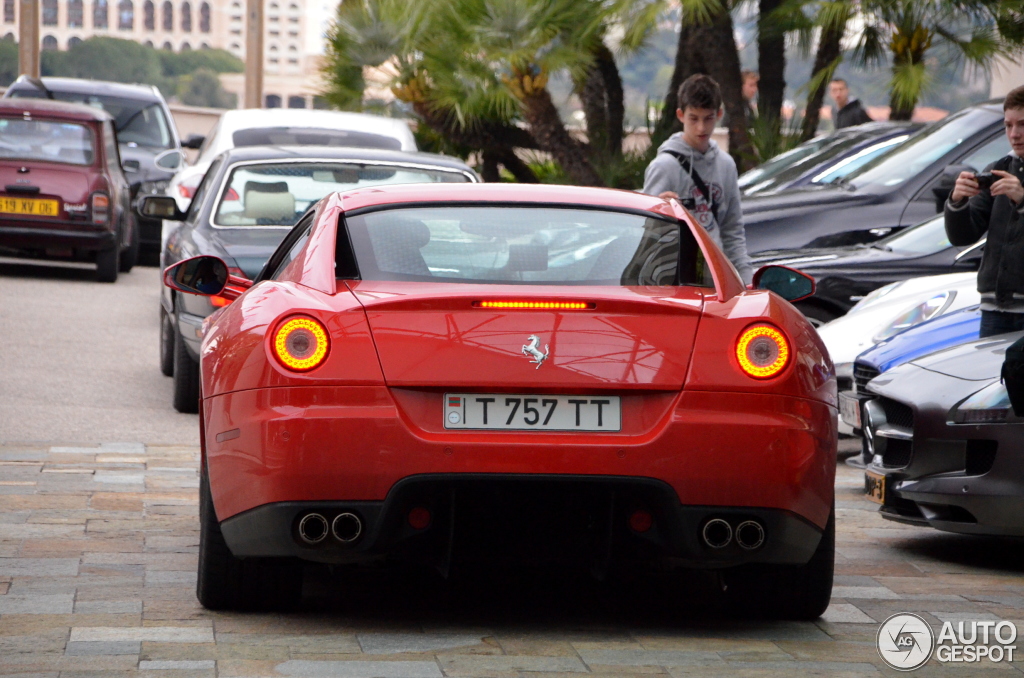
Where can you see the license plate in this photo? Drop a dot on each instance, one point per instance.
(874, 485)
(514, 412)
(31, 206)
(849, 409)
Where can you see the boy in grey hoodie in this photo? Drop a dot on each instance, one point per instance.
(690, 167)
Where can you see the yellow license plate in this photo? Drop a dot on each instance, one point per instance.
(874, 485)
(32, 206)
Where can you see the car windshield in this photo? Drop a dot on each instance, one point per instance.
(525, 245)
(138, 122)
(925, 238)
(846, 166)
(34, 139)
(312, 136)
(921, 149)
(277, 194)
(790, 166)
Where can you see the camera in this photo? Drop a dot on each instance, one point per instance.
(985, 180)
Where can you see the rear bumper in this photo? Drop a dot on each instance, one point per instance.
(523, 517)
(54, 235)
(279, 446)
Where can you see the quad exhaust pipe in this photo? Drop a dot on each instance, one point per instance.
(314, 528)
(719, 533)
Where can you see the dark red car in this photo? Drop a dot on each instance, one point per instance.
(64, 194)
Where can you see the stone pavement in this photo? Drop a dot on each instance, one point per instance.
(97, 575)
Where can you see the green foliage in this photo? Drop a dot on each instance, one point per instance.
(771, 138)
(8, 62)
(203, 88)
(116, 60)
(176, 64)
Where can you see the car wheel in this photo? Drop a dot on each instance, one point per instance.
(800, 592)
(225, 582)
(817, 315)
(107, 264)
(166, 344)
(130, 256)
(186, 377)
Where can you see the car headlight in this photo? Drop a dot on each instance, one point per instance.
(916, 315)
(876, 295)
(990, 405)
(157, 187)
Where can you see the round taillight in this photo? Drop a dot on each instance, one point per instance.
(301, 344)
(762, 351)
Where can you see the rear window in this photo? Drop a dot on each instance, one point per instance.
(277, 194)
(138, 122)
(33, 139)
(312, 136)
(525, 245)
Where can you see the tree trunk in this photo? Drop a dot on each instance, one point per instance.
(547, 128)
(614, 97)
(723, 64)
(489, 171)
(771, 64)
(687, 63)
(829, 49)
(593, 97)
(519, 169)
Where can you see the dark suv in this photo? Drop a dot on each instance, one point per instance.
(146, 135)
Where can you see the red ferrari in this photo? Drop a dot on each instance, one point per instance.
(463, 373)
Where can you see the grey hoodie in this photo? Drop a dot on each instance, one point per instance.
(718, 170)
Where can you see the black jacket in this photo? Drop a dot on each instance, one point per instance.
(851, 114)
(1002, 265)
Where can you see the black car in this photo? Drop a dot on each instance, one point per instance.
(146, 136)
(843, 275)
(946, 448)
(249, 199)
(897, 189)
(826, 158)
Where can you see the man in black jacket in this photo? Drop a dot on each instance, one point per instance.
(848, 113)
(972, 211)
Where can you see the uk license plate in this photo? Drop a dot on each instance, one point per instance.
(874, 485)
(849, 409)
(30, 206)
(532, 412)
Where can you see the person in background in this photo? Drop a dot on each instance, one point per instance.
(848, 113)
(989, 204)
(750, 81)
(691, 168)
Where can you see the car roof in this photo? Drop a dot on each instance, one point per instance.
(582, 196)
(248, 118)
(61, 110)
(102, 87)
(253, 153)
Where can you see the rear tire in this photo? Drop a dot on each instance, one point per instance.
(130, 256)
(186, 377)
(167, 331)
(225, 582)
(108, 264)
(800, 592)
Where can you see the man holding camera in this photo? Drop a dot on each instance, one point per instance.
(993, 203)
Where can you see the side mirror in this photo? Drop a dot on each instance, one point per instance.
(159, 207)
(194, 141)
(172, 159)
(971, 257)
(788, 283)
(205, 275)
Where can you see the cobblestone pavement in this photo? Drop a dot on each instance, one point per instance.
(97, 574)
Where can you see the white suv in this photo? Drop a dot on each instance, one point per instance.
(287, 127)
